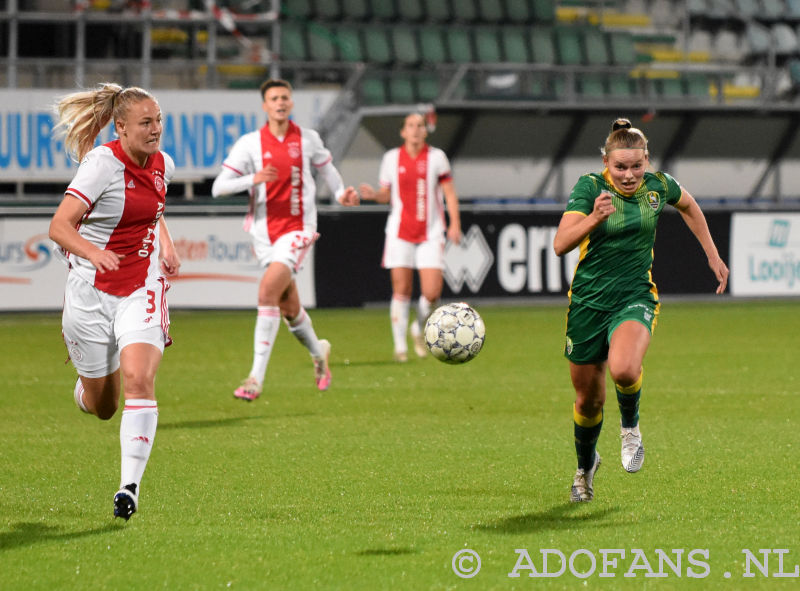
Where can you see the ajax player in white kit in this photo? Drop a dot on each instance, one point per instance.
(416, 179)
(274, 165)
(111, 230)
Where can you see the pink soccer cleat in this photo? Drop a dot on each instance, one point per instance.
(249, 390)
(322, 372)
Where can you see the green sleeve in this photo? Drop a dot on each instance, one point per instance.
(672, 187)
(583, 195)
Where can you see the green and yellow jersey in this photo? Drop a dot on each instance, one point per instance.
(616, 258)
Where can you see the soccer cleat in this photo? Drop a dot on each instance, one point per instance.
(126, 501)
(249, 390)
(400, 356)
(632, 448)
(322, 371)
(419, 341)
(582, 485)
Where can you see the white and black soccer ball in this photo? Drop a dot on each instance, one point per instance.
(454, 333)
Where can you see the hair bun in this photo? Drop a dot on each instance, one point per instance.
(621, 123)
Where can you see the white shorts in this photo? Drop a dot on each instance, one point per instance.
(290, 249)
(424, 255)
(97, 325)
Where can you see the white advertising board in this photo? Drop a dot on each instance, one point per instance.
(765, 254)
(199, 129)
(218, 268)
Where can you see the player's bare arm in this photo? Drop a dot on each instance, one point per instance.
(170, 261)
(63, 231)
(267, 174)
(368, 193)
(574, 227)
(453, 214)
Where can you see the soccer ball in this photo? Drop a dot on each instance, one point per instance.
(454, 333)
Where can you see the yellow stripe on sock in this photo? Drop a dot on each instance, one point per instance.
(583, 421)
(633, 388)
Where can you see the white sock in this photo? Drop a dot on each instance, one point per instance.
(77, 393)
(267, 324)
(399, 311)
(303, 330)
(137, 429)
(424, 307)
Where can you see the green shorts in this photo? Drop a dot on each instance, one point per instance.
(589, 331)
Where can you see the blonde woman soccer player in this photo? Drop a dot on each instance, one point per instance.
(111, 228)
(614, 304)
(274, 165)
(416, 179)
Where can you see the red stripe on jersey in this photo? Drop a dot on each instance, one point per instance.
(79, 195)
(285, 194)
(134, 236)
(412, 186)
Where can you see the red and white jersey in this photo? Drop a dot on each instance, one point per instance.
(417, 201)
(125, 202)
(287, 204)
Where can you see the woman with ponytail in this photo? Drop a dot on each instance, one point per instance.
(111, 231)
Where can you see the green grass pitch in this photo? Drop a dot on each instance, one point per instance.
(379, 482)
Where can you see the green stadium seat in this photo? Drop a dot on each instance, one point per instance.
(670, 88)
(432, 46)
(544, 11)
(383, 10)
(542, 45)
(519, 11)
(293, 42)
(491, 11)
(404, 44)
(356, 10)
(620, 86)
(302, 10)
(487, 45)
(515, 45)
(568, 45)
(373, 90)
(410, 11)
(401, 89)
(329, 10)
(591, 86)
(438, 11)
(596, 47)
(464, 11)
(427, 86)
(623, 50)
(459, 45)
(348, 41)
(698, 86)
(321, 46)
(377, 49)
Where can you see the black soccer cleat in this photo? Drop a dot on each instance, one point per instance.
(126, 501)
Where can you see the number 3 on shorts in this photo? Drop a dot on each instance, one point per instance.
(151, 301)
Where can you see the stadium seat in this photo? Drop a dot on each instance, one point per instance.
(697, 86)
(356, 10)
(404, 45)
(595, 47)
(726, 47)
(515, 45)
(401, 89)
(758, 39)
(542, 45)
(776, 10)
(427, 86)
(410, 11)
(459, 45)
(491, 11)
(348, 40)
(568, 45)
(785, 39)
(721, 9)
(373, 89)
(670, 88)
(432, 46)
(519, 12)
(293, 42)
(302, 10)
(377, 49)
(464, 11)
(590, 86)
(383, 10)
(623, 50)
(487, 45)
(793, 9)
(321, 46)
(439, 11)
(620, 86)
(329, 10)
(544, 11)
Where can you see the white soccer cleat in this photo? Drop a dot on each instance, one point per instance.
(322, 371)
(583, 484)
(78, 396)
(400, 356)
(632, 449)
